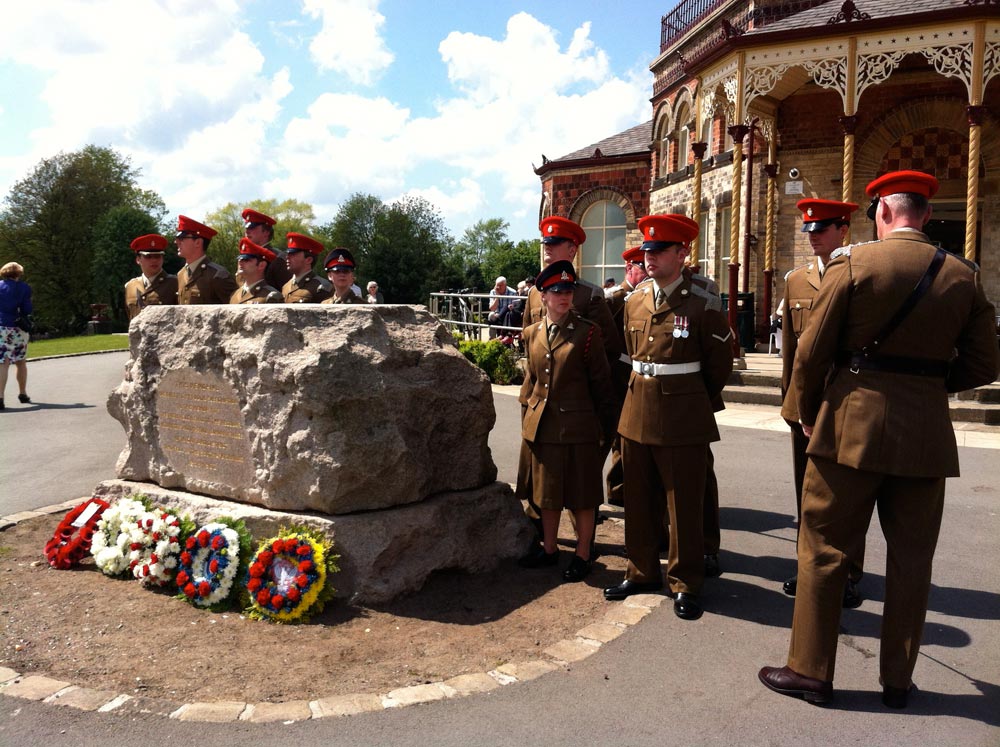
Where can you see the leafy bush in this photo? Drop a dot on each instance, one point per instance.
(495, 358)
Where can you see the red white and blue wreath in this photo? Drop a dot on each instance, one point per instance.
(288, 578)
(72, 540)
(154, 544)
(210, 563)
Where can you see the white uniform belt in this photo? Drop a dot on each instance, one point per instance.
(665, 369)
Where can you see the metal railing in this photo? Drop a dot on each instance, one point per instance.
(467, 312)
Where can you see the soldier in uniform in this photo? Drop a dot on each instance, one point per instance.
(561, 240)
(340, 268)
(154, 287)
(826, 222)
(259, 228)
(305, 286)
(897, 324)
(568, 408)
(679, 342)
(253, 262)
(621, 368)
(200, 281)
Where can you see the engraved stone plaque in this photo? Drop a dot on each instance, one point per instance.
(201, 428)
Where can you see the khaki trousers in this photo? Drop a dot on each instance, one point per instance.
(837, 505)
(671, 480)
(799, 461)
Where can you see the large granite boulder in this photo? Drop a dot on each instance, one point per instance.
(333, 409)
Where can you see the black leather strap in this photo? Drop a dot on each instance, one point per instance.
(893, 364)
(915, 295)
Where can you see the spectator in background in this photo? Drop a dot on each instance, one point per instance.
(15, 304)
(500, 299)
(374, 294)
(609, 283)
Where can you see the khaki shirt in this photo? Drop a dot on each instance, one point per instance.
(311, 289)
(162, 290)
(892, 423)
(801, 287)
(209, 283)
(259, 292)
(351, 297)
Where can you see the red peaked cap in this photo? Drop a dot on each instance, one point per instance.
(818, 214)
(660, 231)
(250, 249)
(556, 229)
(559, 276)
(340, 259)
(916, 182)
(187, 225)
(298, 242)
(635, 255)
(151, 243)
(252, 216)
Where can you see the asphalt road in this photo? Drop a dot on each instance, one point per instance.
(665, 682)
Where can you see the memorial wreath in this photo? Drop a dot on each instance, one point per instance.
(154, 544)
(110, 544)
(72, 539)
(288, 578)
(210, 563)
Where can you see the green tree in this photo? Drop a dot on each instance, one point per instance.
(113, 263)
(355, 224)
(48, 223)
(514, 261)
(292, 215)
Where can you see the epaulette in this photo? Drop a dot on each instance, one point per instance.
(220, 271)
(844, 251)
(642, 283)
(712, 301)
(585, 320)
(968, 262)
(324, 283)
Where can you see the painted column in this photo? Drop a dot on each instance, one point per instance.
(699, 153)
(849, 124)
(771, 170)
(738, 133)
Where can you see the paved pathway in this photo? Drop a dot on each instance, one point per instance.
(663, 682)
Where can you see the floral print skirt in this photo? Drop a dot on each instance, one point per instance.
(13, 344)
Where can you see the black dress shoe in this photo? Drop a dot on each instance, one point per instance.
(1, 404)
(538, 558)
(852, 597)
(23, 398)
(712, 567)
(895, 697)
(686, 606)
(790, 586)
(578, 569)
(627, 588)
(783, 680)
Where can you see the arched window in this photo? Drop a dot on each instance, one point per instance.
(601, 254)
(681, 134)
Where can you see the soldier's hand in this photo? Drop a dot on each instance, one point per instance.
(807, 430)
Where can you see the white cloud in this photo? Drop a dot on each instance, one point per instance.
(461, 202)
(349, 41)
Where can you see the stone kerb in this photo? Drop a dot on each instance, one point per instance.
(333, 409)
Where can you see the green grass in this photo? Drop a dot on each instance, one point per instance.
(70, 345)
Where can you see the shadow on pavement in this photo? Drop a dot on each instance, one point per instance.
(44, 406)
(981, 707)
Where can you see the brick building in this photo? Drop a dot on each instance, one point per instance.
(759, 103)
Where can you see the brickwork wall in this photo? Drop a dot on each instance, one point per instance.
(630, 180)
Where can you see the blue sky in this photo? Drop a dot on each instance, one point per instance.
(225, 100)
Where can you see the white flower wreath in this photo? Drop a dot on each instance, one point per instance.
(111, 540)
(153, 547)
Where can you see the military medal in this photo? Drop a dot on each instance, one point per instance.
(678, 324)
(684, 327)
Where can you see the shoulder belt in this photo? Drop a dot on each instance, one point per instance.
(869, 358)
(712, 301)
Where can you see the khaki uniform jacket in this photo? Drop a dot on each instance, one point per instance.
(589, 303)
(277, 273)
(675, 410)
(162, 290)
(351, 297)
(210, 283)
(896, 424)
(801, 287)
(260, 292)
(567, 395)
(312, 289)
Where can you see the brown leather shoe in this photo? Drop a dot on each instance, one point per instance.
(783, 680)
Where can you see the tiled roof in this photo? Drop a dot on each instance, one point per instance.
(633, 140)
(877, 9)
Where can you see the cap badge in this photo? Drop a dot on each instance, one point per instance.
(550, 228)
(564, 276)
(652, 230)
(809, 212)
